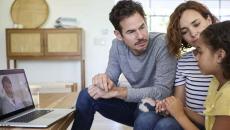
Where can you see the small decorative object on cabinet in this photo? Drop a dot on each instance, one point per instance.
(29, 13)
(40, 44)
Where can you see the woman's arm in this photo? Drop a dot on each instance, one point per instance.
(179, 92)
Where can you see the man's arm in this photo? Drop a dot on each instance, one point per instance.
(106, 80)
(116, 92)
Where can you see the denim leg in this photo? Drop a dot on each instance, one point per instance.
(200, 126)
(114, 109)
(146, 120)
(167, 123)
(117, 110)
(84, 112)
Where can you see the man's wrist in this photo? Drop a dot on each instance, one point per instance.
(120, 92)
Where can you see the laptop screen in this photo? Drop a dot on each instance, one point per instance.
(15, 95)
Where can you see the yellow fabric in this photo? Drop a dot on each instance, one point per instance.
(217, 102)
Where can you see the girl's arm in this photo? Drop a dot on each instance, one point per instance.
(221, 123)
(194, 116)
(179, 92)
(176, 109)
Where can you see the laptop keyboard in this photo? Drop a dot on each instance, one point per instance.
(31, 116)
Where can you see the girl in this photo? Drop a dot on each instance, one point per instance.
(213, 55)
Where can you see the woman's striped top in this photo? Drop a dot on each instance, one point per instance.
(188, 74)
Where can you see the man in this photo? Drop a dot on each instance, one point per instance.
(144, 60)
(9, 101)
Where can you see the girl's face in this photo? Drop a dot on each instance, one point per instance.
(192, 23)
(208, 60)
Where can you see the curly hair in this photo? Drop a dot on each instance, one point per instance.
(124, 9)
(217, 36)
(176, 43)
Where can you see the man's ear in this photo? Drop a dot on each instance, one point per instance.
(118, 34)
(220, 55)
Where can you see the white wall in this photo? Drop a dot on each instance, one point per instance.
(92, 16)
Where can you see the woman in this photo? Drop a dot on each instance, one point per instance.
(186, 23)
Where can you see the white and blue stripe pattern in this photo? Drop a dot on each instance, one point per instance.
(188, 74)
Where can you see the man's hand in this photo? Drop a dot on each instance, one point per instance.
(116, 92)
(103, 81)
(96, 92)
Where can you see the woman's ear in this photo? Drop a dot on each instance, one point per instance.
(118, 34)
(209, 20)
(220, 55)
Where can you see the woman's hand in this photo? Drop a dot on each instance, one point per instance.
(174, 106)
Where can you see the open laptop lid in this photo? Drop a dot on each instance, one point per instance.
(15, 95)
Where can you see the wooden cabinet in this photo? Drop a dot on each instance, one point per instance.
(39, 44)
(44, 43)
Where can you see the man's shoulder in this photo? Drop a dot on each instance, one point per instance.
(157, 40)
(153, 35)
(118, 44)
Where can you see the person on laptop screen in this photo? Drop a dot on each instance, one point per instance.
(9, 101)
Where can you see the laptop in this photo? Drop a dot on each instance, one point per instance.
(17, 108)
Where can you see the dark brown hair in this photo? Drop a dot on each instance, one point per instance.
(122, 10)
(217, 36)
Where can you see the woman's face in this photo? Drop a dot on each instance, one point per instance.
(192, 23)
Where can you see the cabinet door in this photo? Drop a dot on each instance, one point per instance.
(63, 42)
(24, 43)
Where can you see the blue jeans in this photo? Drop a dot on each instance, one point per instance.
(114, 109)
(152, 121)
(118, 110)
(200, 126)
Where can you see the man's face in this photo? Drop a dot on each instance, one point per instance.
(134, 33)
(8, 89)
